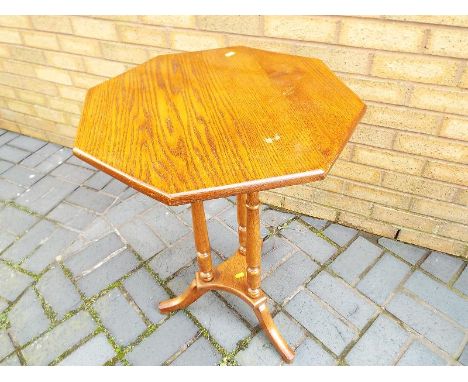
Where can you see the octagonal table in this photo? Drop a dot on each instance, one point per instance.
(184, 128)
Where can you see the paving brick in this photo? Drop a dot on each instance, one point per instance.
(274, 218)
(7, 137)
(309, 353)
(73, 174)
(98, 228)
(185, 215)
(439, 296)
(12, 154)
(379, 345)
(45, 194)
(215, 206)
(22, 176)
(3, 305)
(170, 337)
(72, 216)
(27, 143)
(228, 217)
(53, 160)
(173, 258)
(15, 221)
(462, 282)
(310, 243)
(97, 351)
(274, 250)
(328, 328)
(12, 282)
(127, 193)
(110, 271)
(222, 323)
(98, 180)
(408, 252)
(340, 234)
(91, 199)
(166, 224)
(383, 278)
(94, 253)
(260, 350)
(289, 276)
(78, 162)
(464, 356)
(6, 239)
(357, 257)
(200, 353)
(115, 187)
(119, 317)
(49, 250)
(5, 165)
(419, 355)
(9, 190)
(6, 347)
(442, 265)
(180, 208)
(342, 298)
(142, 239)
(126, 210)
(58, 292)
(222, 239)
(54, 343)
(12, 360)
(426, 322)
(40, 155)
(146, 293)
(27, 318)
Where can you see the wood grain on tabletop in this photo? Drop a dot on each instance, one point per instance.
(200, 125)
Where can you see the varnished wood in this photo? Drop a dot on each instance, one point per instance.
(194, 126)
(183, 128)
(202, 242)
(230, 276)
(253, 245)
(242, 222)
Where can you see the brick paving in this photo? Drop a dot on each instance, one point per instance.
(84, 260)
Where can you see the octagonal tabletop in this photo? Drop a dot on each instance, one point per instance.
(200, 125)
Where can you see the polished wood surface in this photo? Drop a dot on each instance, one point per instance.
(253, 245)
(239, 275)
(202, 242)
(242, 222)
(200, 125)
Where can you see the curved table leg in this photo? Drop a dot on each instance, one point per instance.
(271, 330)
(191, 294)
(239, 275)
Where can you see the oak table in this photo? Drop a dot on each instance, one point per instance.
(184, 128)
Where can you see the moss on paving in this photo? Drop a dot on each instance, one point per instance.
(4, 322)
(49, 312)
(13, 204)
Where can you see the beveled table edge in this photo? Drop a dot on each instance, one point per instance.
(203, 193)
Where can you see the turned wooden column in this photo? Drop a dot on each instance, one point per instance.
(253, 245)
(202, 242)
(242, 222)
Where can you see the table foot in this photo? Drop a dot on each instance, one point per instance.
(271, 330)
(231, 276)
(191, 294)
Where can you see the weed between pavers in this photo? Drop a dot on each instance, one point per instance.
(4, 322)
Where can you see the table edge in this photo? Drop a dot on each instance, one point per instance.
(203, 193)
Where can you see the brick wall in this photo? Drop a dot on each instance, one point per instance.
(405, 170)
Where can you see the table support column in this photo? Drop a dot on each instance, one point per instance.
(239, 275)
(202, 242)
(254, 245)
(242, 222)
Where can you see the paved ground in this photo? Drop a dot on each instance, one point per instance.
(84, 260)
